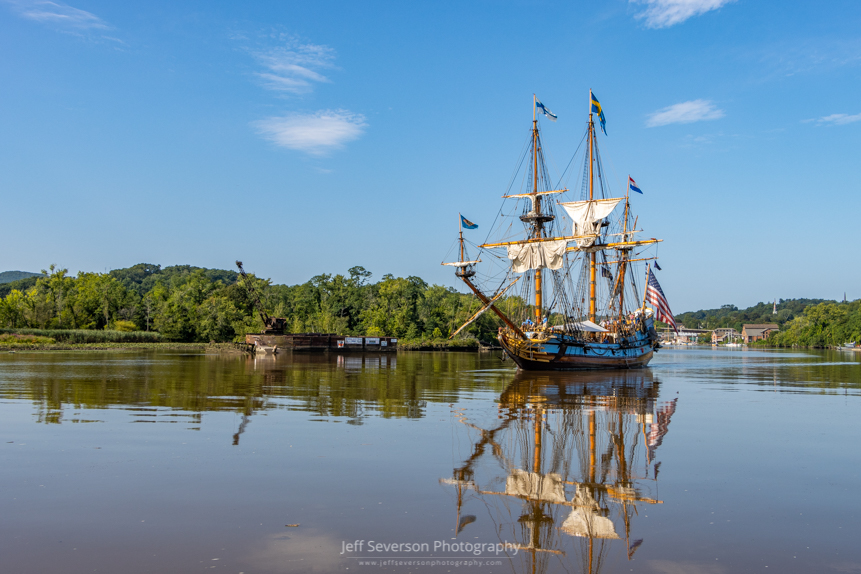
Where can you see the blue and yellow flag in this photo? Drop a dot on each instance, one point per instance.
(467, 224)
(596, 108)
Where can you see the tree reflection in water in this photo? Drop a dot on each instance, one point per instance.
(164, 387)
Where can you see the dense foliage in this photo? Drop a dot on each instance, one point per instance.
(802, 322)
(827, 324)
(184, 303)
(732, 316)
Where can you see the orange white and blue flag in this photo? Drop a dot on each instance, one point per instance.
(632, 185)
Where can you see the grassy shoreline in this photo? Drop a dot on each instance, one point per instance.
(35, 340)
(220, 347)
(418, 345)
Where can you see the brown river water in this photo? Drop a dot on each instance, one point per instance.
(708, 462)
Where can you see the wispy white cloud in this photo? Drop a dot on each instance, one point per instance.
(685, 113)
(58, 15)
(801, 56)
(666, 13)
(295, 67)
(317, 133)
(837, 119)
(291, 66)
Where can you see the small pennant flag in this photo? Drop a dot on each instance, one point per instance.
(658, 267)
(544, 110)
(596, 108)
(606, 273)
(633, 547)
(467, 224)
(632, 185)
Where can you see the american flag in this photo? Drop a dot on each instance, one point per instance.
(660, 427)
(655, 296)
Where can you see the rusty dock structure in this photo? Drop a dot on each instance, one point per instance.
(321, 342)
(273, 338)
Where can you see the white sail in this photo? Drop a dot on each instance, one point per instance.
(586, 326)
(462, 263)
(587, 216)
(537, 193)
(533, 196)
(548, 254)
(546, 488)
(585, 519)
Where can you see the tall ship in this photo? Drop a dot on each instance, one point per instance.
(564, 269)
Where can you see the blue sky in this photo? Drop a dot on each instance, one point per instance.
(308, 137)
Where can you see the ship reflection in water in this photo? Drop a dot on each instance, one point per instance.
(568, 465)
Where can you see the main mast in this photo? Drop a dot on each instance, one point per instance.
(592, 300)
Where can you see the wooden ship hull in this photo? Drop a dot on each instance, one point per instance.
(565, 353)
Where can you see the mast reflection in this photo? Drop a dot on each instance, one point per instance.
(567, 466)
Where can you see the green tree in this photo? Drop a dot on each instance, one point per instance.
(13, 310)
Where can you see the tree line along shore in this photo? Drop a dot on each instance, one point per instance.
(149, 305)
(810, 323)
(184, 304)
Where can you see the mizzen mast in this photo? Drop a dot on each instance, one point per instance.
(623, 261)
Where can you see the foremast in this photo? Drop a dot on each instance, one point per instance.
(537, 225)
(535, 219)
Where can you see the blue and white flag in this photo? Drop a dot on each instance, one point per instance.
(544, 110)
(632, 185)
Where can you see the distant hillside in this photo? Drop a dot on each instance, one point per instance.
(732, 316)
(143, 276)
(9, 276)
(20, 285)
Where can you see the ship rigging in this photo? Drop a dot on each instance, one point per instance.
(564, 316)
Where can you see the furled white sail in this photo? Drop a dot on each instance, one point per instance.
(587, 216)
(585, 519)
(586, 326)
(546, 488)
(462, 263)
(549, 254)
(534, 196)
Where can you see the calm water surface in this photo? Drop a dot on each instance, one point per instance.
(707, 462)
